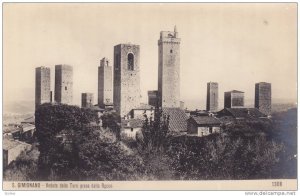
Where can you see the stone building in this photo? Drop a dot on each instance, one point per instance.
(127, 92)
(105, 91)
(169, 69)
(263, 97)
(234, 99)
(87, 100)
(42, 86)
(63, 84)
(153, 98)
(12, 149)
(203, 125)
(212, 97)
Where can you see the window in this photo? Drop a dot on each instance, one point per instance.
(130, 61)
(131, 129)
(66, 88)
(210, 129)
(171, 51)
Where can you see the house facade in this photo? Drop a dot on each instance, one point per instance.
(203, 125)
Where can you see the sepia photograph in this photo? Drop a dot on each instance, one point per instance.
(149, 96)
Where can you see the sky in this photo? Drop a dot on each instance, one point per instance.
(236, 45)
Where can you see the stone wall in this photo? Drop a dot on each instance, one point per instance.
(169, 69)
(105, 84)
(263, 97)
(63, 84)
(127, 93)
(42, 85)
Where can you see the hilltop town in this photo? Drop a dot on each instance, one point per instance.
(120, 113)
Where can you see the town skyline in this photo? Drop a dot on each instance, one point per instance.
(84, 52)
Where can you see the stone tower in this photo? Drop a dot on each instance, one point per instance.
(169, 69)
(263, 97)
(87, 100)
(234, 99)
(105, 92)
(42, 86)
(212, 97)
(63, 84)
(127, 93)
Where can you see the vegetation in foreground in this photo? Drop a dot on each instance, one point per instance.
(70, 148)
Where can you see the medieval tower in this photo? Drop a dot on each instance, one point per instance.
(263, 97)
(87, 100)
(105, 91)
(234, 99)
(63, 84)
(127, 91)
(169, 69)
(42, 86)
(212, 97)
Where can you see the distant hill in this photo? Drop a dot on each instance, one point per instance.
(19, 108)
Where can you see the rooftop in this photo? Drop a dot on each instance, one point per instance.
(205, 120)
(242, 112)
(144, 107)
(30, 120)
(132, 123)
(9, 144)
(235, 91)
(178, 119)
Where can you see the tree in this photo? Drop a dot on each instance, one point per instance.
(55, 128)
(112, 120)
(71, 149)
(154, 132)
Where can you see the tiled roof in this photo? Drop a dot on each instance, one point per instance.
(205, 120)
(9, 144)
(132, 123)
(178, 119)
(244, 112)
(235, 91)
(30, 120)
(27, 127)
(96, 108)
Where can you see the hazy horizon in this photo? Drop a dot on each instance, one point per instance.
(234, 44)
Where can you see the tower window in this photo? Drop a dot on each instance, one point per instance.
(66, 88)
(171, 51)
(130, 61)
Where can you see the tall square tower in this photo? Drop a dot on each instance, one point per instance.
(234, 99)
(127, 92)
(212, 97)
(42, 86)
(169, 69)
(263, 97)
(105, 91)
(152, 98)
(87, 100)
(63, 84)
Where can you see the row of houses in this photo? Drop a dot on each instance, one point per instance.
(192, 123)
(16, 139)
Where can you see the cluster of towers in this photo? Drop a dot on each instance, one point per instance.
(63, 89)
(122, 88)
(119, 87)
(235, 99)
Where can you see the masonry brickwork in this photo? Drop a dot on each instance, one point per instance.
(169, 69)
(42, 86)
(105, 83)
(263, 97)
(127, 92)
(63, 84)
(212, 102)
(87, 100)
(234, 99)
